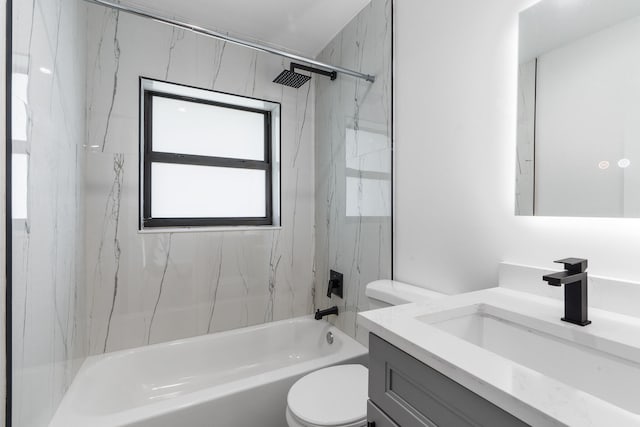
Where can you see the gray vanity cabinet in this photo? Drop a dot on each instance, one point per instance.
(377, 418)
(404, 392)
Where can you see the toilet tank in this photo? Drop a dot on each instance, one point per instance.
(385, 293)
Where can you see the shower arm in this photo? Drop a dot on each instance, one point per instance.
(331, 74)
(227, 38)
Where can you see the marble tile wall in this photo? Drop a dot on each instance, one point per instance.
(525, 149)
(49, 327)
(353, 135)
(149, 288)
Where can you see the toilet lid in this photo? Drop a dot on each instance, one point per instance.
(331, 396)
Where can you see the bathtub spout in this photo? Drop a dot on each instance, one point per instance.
(321, 313)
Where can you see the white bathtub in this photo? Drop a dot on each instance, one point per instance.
(230, 379)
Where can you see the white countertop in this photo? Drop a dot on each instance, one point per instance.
(535, 398)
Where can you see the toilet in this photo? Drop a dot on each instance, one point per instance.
(308, 404)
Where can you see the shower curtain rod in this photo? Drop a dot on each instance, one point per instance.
(220, 36)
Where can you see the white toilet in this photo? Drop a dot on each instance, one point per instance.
(308, 404)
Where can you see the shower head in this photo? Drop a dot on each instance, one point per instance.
(292, 79)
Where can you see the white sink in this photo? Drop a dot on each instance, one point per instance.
(563, 352)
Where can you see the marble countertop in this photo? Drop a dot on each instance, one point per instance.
(537, 399)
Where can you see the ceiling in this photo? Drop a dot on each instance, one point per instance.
(300, 26)
(553, 23)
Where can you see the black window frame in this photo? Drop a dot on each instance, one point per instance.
(150, 156)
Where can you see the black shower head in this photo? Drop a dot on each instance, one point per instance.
(291, 78)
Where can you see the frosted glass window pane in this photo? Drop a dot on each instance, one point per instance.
(192, 128)
(19, 181)
(368, 197)
(187, 191)
(367, 151)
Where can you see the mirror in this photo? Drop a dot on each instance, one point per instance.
(578, 130)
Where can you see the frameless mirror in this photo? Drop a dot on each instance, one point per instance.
(578, 133)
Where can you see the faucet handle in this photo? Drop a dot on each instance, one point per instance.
(574, 265)
(335, 284)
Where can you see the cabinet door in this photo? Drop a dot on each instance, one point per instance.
(377, 418)
(415, 395)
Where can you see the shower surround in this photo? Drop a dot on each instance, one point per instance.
(353, 146)
(146, 288)
(86, 281)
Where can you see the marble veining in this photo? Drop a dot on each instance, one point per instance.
(116, 60)
(353, 144)
(112, 215)
(216, 285)
(164, 275)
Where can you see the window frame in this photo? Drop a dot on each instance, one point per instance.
(149, 157)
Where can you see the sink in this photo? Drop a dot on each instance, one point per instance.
(561, 352)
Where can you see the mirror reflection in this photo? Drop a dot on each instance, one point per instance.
(578, 138)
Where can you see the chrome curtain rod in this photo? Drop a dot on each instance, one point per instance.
(220, 36)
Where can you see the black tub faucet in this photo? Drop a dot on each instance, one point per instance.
(574, 279)
(321, 313)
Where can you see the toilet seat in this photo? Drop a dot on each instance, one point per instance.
(293, 421)
(330, 397)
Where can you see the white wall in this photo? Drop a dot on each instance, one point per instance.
(456, 83)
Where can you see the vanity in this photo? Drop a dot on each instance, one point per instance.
(414, 394)
(503, 357)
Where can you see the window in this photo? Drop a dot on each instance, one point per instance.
(19, 140)
(207, 158)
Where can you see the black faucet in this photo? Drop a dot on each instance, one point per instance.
(321, 313)
(574, 280)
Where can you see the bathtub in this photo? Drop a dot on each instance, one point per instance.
(238, 378)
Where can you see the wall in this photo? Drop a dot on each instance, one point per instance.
(49, 334)
(149, 288)
(455, 151)
(353, 165)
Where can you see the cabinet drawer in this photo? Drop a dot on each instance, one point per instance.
(415, 395)
(377, 418)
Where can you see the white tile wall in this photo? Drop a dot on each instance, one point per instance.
(49, 329)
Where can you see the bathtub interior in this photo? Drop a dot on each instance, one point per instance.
(164, 374)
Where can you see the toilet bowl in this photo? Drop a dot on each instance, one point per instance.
(337, 396)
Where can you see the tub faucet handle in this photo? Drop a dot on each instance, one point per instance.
(335, 284)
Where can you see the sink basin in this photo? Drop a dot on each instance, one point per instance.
(559, 351)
